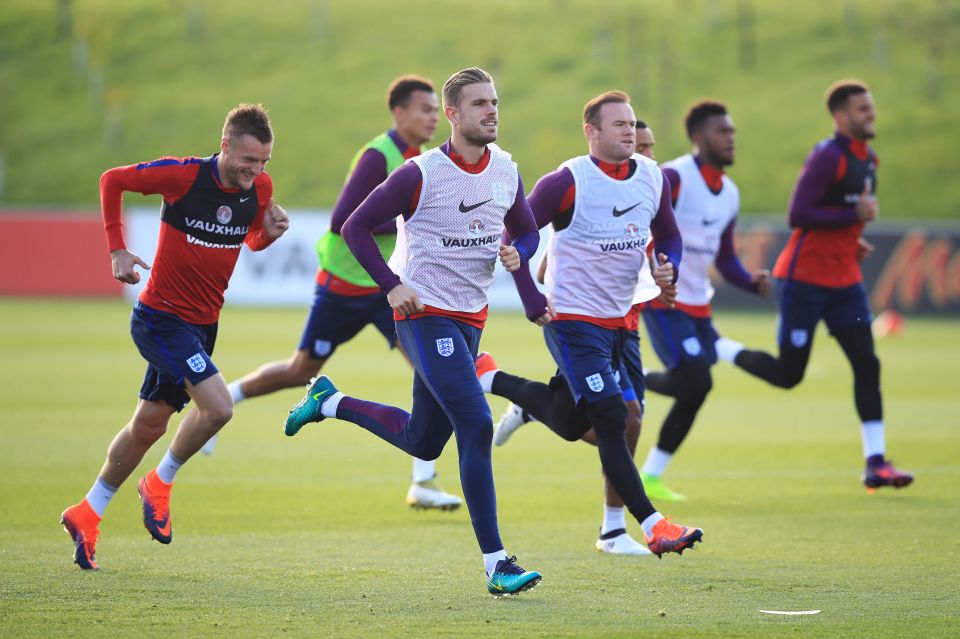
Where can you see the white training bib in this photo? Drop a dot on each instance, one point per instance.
(447, 251)
(595, 261)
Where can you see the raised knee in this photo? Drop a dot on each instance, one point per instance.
(220, 414)
(146, 430)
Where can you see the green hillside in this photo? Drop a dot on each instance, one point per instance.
(107, 82)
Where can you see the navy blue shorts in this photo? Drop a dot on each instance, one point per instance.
(632, 383)
(175, 351)
(588, 356)
(335, 319)
(803, 305)
(677, 336)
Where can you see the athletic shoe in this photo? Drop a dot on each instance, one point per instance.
(657, 491)
(670, 537)
(425, 495)
(884, 474)
(619, 542)
(209, 447)
(485, 364)
(510, 579)
(512, 419)
(82, 524)
(155, 496)
(308, 410)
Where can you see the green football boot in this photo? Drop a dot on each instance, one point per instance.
(510, 579)
(308, 410)
(657, 491)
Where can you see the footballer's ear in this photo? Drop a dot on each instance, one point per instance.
(224, 144)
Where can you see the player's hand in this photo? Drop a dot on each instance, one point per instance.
(275, 220)
(663, 272)
(123, 262)
(510, 258)
(761, 279)
(404, 300)
(864, 249)
(668, 295)
(547, 317)
(867, 209)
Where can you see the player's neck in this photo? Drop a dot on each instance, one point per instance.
(408, 138)
(471, 153)
(221, 176)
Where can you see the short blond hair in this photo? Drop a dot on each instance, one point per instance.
(453, 87)
(591, 112)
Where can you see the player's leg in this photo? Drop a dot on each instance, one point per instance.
(801, 308)
(425, 491)
(585, 355)
(126, 451)
(685, 346)
(849, 320)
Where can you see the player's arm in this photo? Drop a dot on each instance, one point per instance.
(271, 220)
(824, 166)
(673, 177)
(520, 229)
(168, 176)
(368, 174)
(732, 270)
(666, 238)
(395, 196)
(545, 203)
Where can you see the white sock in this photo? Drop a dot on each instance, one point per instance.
(236, 393)
(648, 523)
(490, 560)
(874, 442)
(100, 495)
(486, 380)
(656, 463)
(423, 470)
(727, 349)
(168, 467)
(329, 406)
(613, 519)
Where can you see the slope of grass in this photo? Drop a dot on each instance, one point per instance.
(132, 81)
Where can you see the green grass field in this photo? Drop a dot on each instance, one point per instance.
(310, 537)
(129, 81)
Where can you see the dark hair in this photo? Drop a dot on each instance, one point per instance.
(591, 112)
(455, 83)
(699, 112)
(400, 90)
(840, 91)
(248, 119)
(641, 125)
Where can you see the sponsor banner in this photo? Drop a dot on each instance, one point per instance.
(285, 273)
(55, 253)
(914, 269)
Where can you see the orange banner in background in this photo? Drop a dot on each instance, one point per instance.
(55, 253)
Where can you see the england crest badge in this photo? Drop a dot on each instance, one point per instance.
(445, 346)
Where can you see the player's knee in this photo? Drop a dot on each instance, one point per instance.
(608, 417)
(866, 370)
(790, 378)
(219, 414)
(428, 451)
(147, 430)
(698, 381)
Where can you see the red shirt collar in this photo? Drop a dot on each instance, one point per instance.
(616, 170)
(463, 164)
(711, 174)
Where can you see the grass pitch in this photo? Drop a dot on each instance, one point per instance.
(310, 536)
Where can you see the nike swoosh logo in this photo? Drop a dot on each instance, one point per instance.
(164, 528)
(317, 396)
(244, 199)
(709, 222)
(617, 212)
(465, 208)
(498, 585)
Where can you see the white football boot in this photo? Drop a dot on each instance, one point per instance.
(512, 419)
(427, 494)
(619, 542)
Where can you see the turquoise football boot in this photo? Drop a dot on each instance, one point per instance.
(509, 579)
(308, 410)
